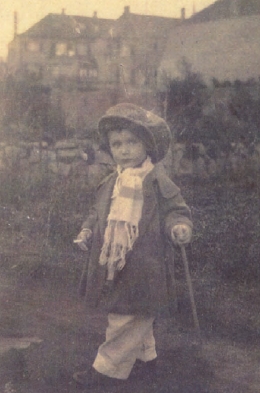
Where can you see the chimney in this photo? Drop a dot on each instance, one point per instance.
(127, 10)
(63, 11)
(95, 15)
(15, 23)
(183, 11)
(193, 8)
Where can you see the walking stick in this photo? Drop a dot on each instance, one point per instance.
(83, 277)
(189, 283)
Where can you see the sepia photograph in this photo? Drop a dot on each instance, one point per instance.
(130, 196)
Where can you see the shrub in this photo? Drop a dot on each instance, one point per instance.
(28, 105)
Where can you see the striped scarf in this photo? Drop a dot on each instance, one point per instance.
(124, 216)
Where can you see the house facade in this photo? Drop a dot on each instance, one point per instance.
(98, 53)
(100, 62)
(221, 42)
(62, 49)
(136, 44)
(89, 63)
(136, 52)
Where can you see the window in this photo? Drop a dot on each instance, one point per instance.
(133, 77)
(61, 49)
(93, 73)
(55, 70)
(88, 73)
(125, 51)
(33, 46)
(82, 49)
(52, 50)
(83, 74)
(71, 49)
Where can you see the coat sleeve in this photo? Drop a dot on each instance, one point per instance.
(173, 208)
(92, 217)
(90, 220)
(176, 212)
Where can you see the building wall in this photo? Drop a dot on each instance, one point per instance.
(52, 59)
(227, 49)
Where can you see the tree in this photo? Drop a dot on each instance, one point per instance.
(28, 107)
(185, 101)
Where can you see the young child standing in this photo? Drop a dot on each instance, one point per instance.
(138, 208)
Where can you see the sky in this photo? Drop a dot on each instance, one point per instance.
(31, 11)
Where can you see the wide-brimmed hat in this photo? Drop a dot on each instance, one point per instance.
(150, 128)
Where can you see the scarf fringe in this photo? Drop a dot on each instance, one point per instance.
(118, 240)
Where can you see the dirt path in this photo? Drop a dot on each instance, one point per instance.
(46, 336)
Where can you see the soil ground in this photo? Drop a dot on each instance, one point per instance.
(46, 335)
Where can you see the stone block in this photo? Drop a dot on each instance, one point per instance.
(38, 155)
(67, 144)
(199, 168)
(59, 168)
(186, 167)
(14, 153)
(38, 145)
(68, 154)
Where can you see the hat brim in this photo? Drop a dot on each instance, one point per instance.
(114, 123)
(150, 128)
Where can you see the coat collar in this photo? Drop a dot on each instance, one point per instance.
(156, 180)
(104, 199)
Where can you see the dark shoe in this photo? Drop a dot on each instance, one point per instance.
(92, 378)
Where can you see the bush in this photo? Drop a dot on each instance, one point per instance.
(28, 106)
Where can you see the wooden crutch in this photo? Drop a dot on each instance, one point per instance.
(190, 288)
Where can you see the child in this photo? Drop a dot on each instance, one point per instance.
(137, 208)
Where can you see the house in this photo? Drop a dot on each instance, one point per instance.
(62, 48)
(227, 9)
(90, 63)
(220, 42)
(2, 69)
(98, 52)
(137, 43)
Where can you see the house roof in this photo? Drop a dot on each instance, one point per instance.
(143, 25)
(226, 49)
(223, 9)
(69, 27)
(147, 33)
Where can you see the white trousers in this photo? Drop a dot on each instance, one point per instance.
(128, 338)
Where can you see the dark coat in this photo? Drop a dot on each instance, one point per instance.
(140, 288)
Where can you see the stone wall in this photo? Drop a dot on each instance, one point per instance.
(63, 159)
(78, 156)
(200, 162)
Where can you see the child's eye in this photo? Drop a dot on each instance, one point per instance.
(115, 144)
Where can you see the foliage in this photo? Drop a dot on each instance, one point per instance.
(19, 190)
(185, 101)
(226, 229)
(40, 215)
(28, 106)
(183, 92)
(225, 114)
(245, 107)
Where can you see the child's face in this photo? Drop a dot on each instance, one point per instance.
(127, 150)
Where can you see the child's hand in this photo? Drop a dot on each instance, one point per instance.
(83, 238)
(181, 234)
